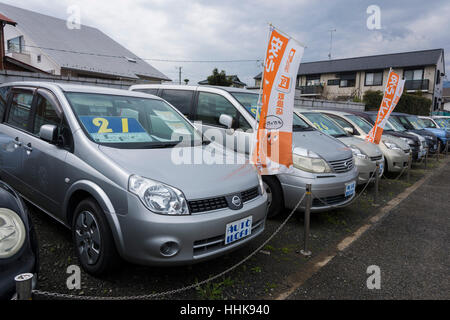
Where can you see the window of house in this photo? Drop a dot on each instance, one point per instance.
(347, 83)
(333, 82)
(15, 44)
(313, 80)
(20, 110)
(374, 78)
(180, 99)
(438, 77)
(39, 58)
(413, 74)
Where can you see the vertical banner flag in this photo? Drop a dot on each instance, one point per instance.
(272, 153)
(392, 93)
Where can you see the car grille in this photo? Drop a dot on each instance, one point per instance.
(329, 200)
(209, 245)
(339, 165)
(202, 205)
(376, 158)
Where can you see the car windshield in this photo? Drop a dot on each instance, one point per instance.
(428, 123)
(442, 122)
(396, 125)
(360, 122)
(250, 102)
(415, 122)
(325, 124)
(131, 122)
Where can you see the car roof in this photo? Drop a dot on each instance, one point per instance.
(68, 87)
(187, 87)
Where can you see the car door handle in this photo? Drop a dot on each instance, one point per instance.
(28, 147)
(17, 142)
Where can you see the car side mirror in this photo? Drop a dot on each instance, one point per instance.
(349, 130)
(49, 133)
(226, 120)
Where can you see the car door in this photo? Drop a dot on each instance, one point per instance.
(208, 109)
(44, 164)
(13, 131)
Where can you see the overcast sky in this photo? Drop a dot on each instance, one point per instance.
(237, 29)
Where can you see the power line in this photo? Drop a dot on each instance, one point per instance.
(146, 59)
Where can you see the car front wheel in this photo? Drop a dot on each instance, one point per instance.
(274, 196)
(92, 238)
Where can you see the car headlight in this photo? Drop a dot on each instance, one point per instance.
(158, 197)
(358, 153)
(309, 161)
(12, 233)
(408, 141)
(392, 146)
(260, 181)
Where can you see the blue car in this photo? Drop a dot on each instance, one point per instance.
(18, 243)
(438, 127)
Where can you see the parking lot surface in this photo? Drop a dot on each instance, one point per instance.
(269, 273)
(410, 246)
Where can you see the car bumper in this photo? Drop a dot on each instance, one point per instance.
(198, 236)
(397, 160)
(366, 169)
(329, 187)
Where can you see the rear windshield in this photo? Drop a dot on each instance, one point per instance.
(131, 122)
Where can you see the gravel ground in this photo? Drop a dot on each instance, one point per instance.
(264, 276)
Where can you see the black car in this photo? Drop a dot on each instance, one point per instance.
(431, 138)
(411, 139)
(18, 243)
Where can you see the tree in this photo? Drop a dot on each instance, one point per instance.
(219, 79)
(186, 81)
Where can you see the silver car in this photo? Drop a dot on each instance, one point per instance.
(100, 161)
(396, 152)
(319, 160)
(367, 154)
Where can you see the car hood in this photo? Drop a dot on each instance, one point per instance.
(196, 181)
(370, 149)
(438, 132)
(329, 148)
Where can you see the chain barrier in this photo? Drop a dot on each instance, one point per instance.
(46, 294)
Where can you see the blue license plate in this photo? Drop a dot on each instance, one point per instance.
(238, 229)
(350, 188)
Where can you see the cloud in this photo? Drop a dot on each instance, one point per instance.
(237, 29)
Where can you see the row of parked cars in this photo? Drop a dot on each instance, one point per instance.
(100, 161)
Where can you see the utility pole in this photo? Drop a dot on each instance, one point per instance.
(179, 74)
(331, 41)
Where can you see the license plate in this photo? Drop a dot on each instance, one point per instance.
(238, 229)
(350, 188)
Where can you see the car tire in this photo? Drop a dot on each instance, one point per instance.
(274, 196)
(92, 239)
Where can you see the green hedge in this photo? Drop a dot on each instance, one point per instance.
(409, 103)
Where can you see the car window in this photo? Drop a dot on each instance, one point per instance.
(428, 123)
(180, 99)
(45, 114)
(3, 100)
(20, 110)
(361, 122)
(149, 91)
(210, 106)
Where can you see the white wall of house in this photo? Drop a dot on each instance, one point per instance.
(31, 53)
(437, 92)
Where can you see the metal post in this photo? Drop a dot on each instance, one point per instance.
(409, 166)
(438, 151)
(24, 286)
(377, 179)
(308, 198)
